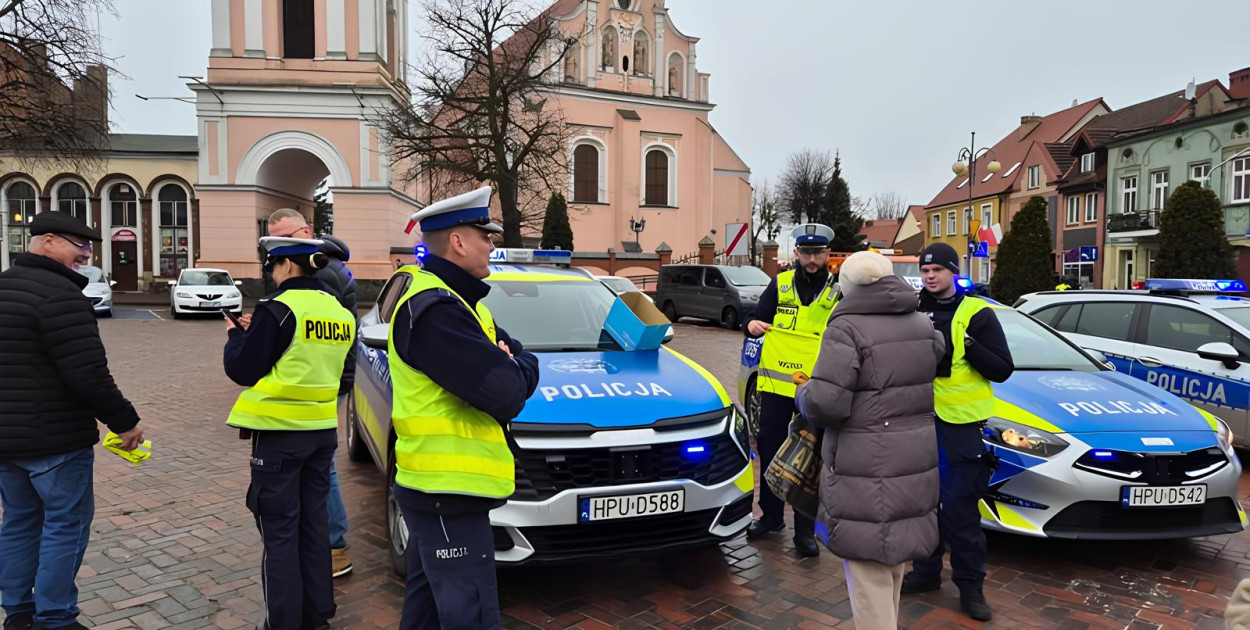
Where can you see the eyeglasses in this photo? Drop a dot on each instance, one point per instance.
(86, 245)
(292, 234)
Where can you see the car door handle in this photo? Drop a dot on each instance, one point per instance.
(1149, 361)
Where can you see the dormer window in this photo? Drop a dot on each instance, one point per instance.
(1087, 162)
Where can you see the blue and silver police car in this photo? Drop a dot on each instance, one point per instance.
(1086, 451)
(616, 452)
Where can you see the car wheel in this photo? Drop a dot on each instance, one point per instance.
(670, 311)
(753, 407)
(357, 450)
(729, 317)
(173, 311)
(396, 527)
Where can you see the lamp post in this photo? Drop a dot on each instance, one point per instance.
(966, 164)
(637, 227)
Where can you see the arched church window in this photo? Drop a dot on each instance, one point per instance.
(657, 178)
(586, 173)
(298, 29)
(625, 4)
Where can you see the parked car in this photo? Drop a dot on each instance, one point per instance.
(717, 293)
(98, 290)
(621, 285)
(647, 428)
(204, 291)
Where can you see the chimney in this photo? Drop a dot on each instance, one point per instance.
(1239, 83)
(91, 95)
(1029, 123)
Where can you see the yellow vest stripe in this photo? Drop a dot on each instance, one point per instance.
(282, 410)
(793, 342)
(427, 426)
(965, 396)
(311, 393)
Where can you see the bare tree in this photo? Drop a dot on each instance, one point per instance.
(53, 79)
(482, 109)
(765, 217)
(804, 183)
(889, 205)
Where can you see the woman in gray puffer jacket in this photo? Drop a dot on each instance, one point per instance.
(872, 391)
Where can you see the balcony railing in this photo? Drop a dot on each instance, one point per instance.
(1132, 221)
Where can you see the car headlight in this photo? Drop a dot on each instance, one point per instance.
(738, 427)
(232, 295)
(1022, 438)
(1224, 434)
(184, 295)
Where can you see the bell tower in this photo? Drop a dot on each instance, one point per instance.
(290, 89)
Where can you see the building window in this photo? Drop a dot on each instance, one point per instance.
(950, 223)
(936, 229)
(172, 222)
(1091, 207)
(642, 48)
(987, 215)
(22, 209)
(123, 206)
(609, 50)
(1035, 176)
(657, 167)
(72, 199)
(625, 4)
(298, 29)
(1158, 189)
(1074, 210)
(1128, 188)
(984, 264)
(1087, 162)
(1241, 179)
(1201, 173)
(586, 174)
(967, 220)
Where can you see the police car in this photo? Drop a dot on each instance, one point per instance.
(1086, 451)
(1190, 337)
(616, 452)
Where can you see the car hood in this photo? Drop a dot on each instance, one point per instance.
(620, 389)
(1096, 402)
(207, 288)
(97, 288)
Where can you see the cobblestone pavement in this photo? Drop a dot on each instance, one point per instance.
(173, 545)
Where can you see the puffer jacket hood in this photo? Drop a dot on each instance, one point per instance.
(334, 247)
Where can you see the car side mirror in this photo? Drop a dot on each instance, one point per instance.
(112, 283)
(1100, 357)
(238, 283)
(1220, 351)
(171, 282)
(375, 335)
(668, 336)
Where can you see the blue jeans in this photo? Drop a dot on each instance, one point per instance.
(338, 511)
(48, 506)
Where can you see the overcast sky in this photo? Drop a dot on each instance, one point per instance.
(896, 86)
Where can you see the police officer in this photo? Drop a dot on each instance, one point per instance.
(458, 380)
(791, 316)
(976, 354)
(290, 354)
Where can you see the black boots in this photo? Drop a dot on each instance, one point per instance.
(764, 526)
(806, 547)
(975, 606)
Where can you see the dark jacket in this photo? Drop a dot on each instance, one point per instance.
(54, 375)
(340, 283)
(807, 286)
(435, 334)
(872, 390)
(988, 352)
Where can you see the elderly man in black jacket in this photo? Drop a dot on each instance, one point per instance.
(54, 385)
(336, 279)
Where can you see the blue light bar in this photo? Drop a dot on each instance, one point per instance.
(1104, 455)
(696, 451)
(532, 256)
(1195, 286)
(964, 284)
(420, 251)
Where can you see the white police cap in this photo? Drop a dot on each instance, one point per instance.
(279, 246)
(472, 208)
(812, 235)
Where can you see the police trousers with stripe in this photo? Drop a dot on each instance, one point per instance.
(965, 470)
(288, 495)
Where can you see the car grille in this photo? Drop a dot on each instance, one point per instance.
(209, 297)
(542, 474)
(96, 300)
(626, 535)
(736, 511)
(1153, 469)
(1107, 519)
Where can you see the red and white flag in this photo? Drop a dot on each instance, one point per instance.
(992, 235)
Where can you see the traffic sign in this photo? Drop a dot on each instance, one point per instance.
(736, 242)
(982, 250)
(1089, 254)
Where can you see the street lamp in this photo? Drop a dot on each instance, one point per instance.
(637, 227)
(966, 164)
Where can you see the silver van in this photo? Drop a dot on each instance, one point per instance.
(717, 293)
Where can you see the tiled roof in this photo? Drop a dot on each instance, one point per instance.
(1061, 153)
(1012, 150)
(1146, 114)
(880, 231)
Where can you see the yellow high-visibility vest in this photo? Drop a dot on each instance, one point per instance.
(965, 396)
(791, 345)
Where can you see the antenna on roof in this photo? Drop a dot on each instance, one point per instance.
(1191, 90)
(1075, 102)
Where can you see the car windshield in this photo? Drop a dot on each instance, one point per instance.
(205, 278)
(93, 274)
(620, 285)
(746, 276)
(1035, 347)
(1239, 314)
(560, 316)
(907, 269)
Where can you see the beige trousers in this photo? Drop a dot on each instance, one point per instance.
(874, 589)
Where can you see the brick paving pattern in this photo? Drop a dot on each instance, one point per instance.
(174, 547)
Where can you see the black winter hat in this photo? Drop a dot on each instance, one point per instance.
(940, 254)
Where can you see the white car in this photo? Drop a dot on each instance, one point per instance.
(98, 290)
(621, 285)
(201, 290)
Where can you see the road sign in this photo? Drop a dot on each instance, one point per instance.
(1089, 254)
(982, 250)
(736, 241)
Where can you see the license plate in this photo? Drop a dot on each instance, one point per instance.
(1162, 496)
(592, 509)
(210, 304)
